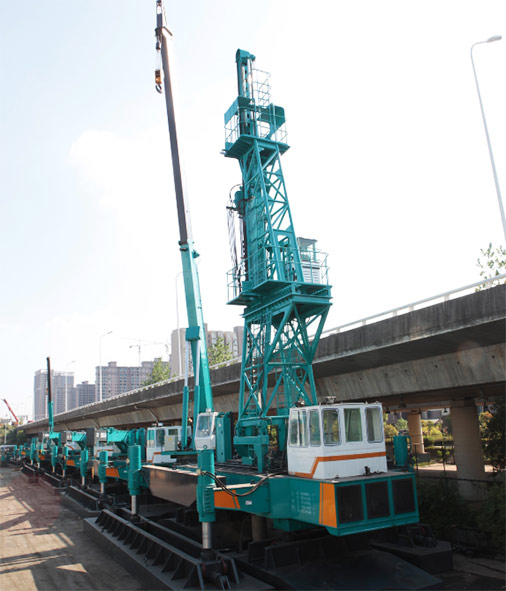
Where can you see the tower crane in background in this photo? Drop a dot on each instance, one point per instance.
(16, 420)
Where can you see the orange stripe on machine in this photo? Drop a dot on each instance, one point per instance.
(319, 459)
(328, 515)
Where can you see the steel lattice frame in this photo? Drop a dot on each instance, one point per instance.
(281, 306)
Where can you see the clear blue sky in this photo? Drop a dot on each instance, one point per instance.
(388, 168)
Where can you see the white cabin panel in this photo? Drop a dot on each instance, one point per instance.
(336, 441)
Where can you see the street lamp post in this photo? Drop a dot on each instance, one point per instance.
(66, 400)
(139, 354)
(496, 180)
(100, 364)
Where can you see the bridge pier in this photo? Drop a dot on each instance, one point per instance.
(415, 431)
(468, 450)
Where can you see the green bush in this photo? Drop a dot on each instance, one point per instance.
(441, 507)
(494, 433)
(491, 517)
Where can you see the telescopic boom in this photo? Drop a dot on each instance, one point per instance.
(195, 333)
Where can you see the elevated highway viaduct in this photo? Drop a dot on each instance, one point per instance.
(447, 355)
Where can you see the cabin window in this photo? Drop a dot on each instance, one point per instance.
(160, 437)
(173, 431)
(353, 424)
(294, 429)
(302, 428)
(331, 435)
(314, 427)
(374, 423)
(298, 428)
(204, 425)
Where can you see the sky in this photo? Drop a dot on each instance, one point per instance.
(388, 167)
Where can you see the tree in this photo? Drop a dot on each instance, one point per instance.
(447, 425)
(431, 431)
(159, 373)
(7, 434)
(390, 431)
(484, 419)
(494, 434)
(219, 352)
(492, 263)
(401, 424)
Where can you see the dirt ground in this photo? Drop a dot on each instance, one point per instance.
(43, 546)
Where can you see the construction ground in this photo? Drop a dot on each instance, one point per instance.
(43, 547)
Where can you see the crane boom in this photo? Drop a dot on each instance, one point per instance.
(11, 411)
(195, 333)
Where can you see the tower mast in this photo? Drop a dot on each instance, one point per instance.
(281, 279)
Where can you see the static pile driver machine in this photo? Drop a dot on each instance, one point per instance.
(295, 463)
(289, 463)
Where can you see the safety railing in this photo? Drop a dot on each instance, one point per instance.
(261, 125)
(445, 296)
(261, 269)
(256, 116)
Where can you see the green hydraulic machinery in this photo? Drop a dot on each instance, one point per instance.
(50, 406)
(55, 442)
(281, 280)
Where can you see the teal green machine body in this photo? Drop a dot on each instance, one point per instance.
(280, 279)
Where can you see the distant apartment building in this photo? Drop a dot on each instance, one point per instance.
(114, 379)
(177, 352)
(63, 392)
(232, 338)
(85, 393)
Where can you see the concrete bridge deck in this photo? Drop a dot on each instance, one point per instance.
(429, 358)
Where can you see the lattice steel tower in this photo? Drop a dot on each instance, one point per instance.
(281, 279)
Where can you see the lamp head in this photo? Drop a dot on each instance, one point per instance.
(494, 38)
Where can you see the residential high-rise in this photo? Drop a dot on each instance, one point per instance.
(119, 379)
(233, 339)
(85, 393)
(39, 395)
(177, 352)
(239, 336)
(62, 387)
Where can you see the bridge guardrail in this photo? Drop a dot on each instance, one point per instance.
(445, 296)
